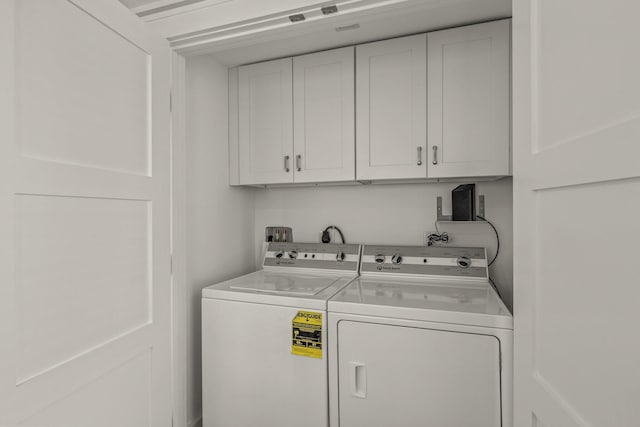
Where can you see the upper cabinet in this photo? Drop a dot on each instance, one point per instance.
(265, 122)
(324, 116)
(469, 101)
(391, 93)
(296, 119)
(427, 106)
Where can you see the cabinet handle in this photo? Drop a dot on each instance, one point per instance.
(435, 154)
(419, 156)
(286, 163)
(299, 162)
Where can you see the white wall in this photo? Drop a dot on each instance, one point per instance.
(391, 214)
(220, 219)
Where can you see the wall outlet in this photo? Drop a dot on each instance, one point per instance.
(425, 237)
(444, 237)
(278, 234)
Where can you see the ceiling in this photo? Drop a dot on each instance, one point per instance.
(148, 5)
(131, 4)
(287, 39)
(306, 37)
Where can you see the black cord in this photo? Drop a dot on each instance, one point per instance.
(325, 234)
(495, 256)
(497, 239)
(494, 286)
(436, 237)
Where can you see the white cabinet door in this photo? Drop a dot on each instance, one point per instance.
(324, 116)
(469, 101)
(265, 114)
(85, 308)
(391, 99)
(405, 376)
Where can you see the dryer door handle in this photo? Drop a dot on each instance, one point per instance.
(358, 379)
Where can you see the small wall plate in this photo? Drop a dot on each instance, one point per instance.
(278, 234)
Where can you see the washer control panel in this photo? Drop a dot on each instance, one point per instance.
(324, 256)
(425, 260)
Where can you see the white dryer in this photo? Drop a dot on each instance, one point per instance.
(264, 338)
(420, 339)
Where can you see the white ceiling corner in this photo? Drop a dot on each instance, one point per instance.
(146, 6)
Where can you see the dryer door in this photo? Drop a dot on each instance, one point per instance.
(404, 376)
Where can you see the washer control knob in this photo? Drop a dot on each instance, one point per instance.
(340, 256)
(463, 262)
(279, 254)
(396, 259)
(293, 254)
(380, 259)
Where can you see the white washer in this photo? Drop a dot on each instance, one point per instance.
(259, 368)
(420, 338)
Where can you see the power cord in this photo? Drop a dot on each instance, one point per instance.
(496, 255)
(326, 237)
(437, 236)
(434, 237)
(495, 286)
(444, 237)
(497, 239)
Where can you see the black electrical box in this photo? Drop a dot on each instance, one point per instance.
(463, 202)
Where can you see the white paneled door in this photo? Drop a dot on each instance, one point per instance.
(576, 201)
(84, 227)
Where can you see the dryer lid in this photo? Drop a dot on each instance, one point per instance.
(448, 301)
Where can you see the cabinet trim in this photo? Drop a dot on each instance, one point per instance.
(234, 156)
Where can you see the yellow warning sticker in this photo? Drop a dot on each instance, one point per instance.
(306, 334)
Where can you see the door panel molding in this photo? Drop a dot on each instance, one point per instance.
(551, 405)
(36, 393)
(580, 161)
(51, 178)
(127, 406)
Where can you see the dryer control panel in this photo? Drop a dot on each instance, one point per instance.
(323, 256)
(425, 261)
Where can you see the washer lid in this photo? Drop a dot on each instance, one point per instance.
(293, 284)
(303, 290)
(460, 302)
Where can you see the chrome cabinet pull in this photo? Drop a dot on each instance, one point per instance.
(419, 156)
(435, 154)
(286, 163)
(298, 162)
